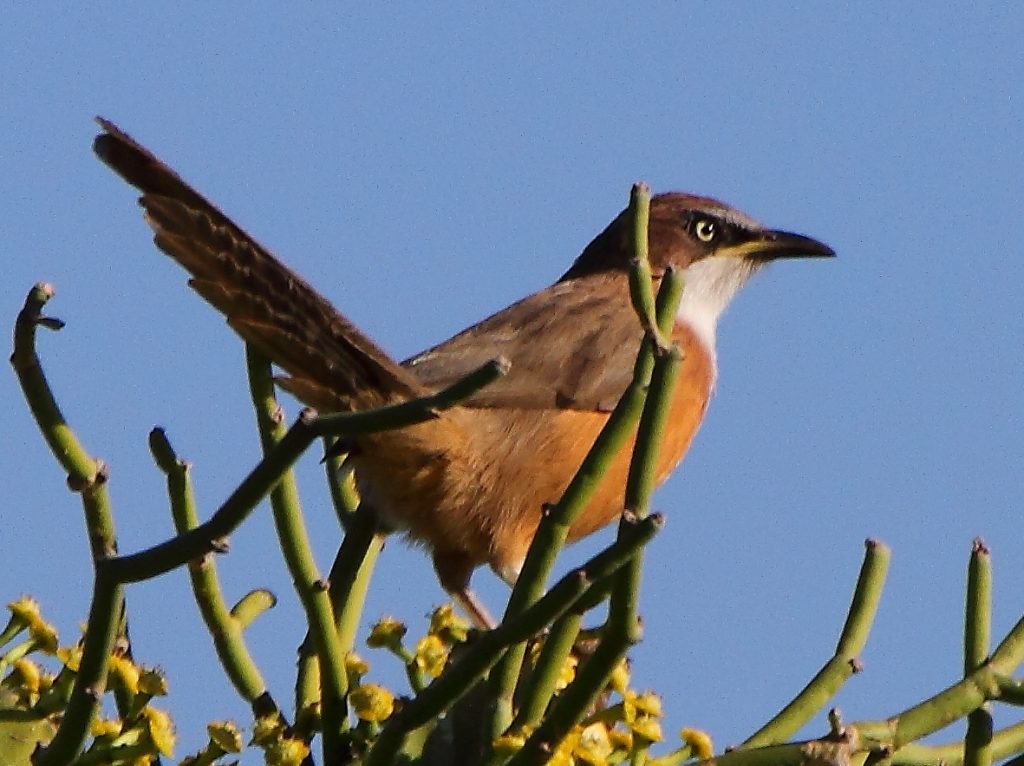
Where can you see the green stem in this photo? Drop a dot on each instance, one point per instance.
(977, 638)
(866, 595)
(349, 582)
(447, 688)
(640, 274)
(298, 555)
(393, 416)
(88, 477)
(211, 535)
(225, 629)
(100, 633)
(542, 681)
(554, 526)
(82, 470)
(622, 628)
(340, 482)
(252, 605)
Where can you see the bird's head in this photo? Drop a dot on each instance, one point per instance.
(717, 248)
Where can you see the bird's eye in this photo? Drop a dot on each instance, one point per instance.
(705, 230)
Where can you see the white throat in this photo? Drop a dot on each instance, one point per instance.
(710, 284)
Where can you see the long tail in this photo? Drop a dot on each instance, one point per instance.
(332, 365)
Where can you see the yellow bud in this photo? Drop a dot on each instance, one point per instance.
(25, 610)
(356, 665)
(71, 656)
(619, 680)
(563, 753)
(647, 728)
(387, 633)
(561, 757)
(567, 673)
(448, 626)
(104, 727)
(431, 655)
(621, 739)
(124, 672)
(594, 746)
(44, 635)
(286, 752)
(265, 729)
(225, 735)
(649, 703)
(699, 742)
(629, 706)
(29, 673)
(161, 729)
(371, 702)
(153, 682)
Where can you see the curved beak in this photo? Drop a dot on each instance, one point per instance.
(783, 244)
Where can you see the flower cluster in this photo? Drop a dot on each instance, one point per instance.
(139, 733)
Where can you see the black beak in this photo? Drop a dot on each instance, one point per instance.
(784, 244)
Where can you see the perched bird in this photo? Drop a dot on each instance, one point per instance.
(470, 485)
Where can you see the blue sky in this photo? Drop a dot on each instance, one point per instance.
(425, 167)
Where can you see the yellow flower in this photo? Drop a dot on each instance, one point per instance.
(620, 677)
(25, 610)
(372, 702)
(153, 682)
(71, 656)
(563, 753)
(629, 706)
(286, 752)
(105, 727)
(594, 746)
(699, 742)
(29, 674)
(648, 728)
(265, 729)
(567, 673)
(25, 614)
(431, 655)
(387, 633)
(161, 729)
(649, 703)
(356, 665)
(225, 735)
(447, 625)
(44, 635)
(124, 672)
(621, 739)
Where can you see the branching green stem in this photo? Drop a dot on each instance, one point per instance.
(554, 526)
(622, 628)
(210, 535)
(866, 595)
(225, 628)
(86, 476)
(310, 587)
(349, 582)
(481, 656)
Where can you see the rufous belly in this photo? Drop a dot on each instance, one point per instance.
(474, 482)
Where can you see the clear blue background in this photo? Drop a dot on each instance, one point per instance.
(425, 165)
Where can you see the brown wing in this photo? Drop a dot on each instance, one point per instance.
(571, 345)
(333, 365)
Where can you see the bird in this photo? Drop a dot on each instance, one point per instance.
(471, 484)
